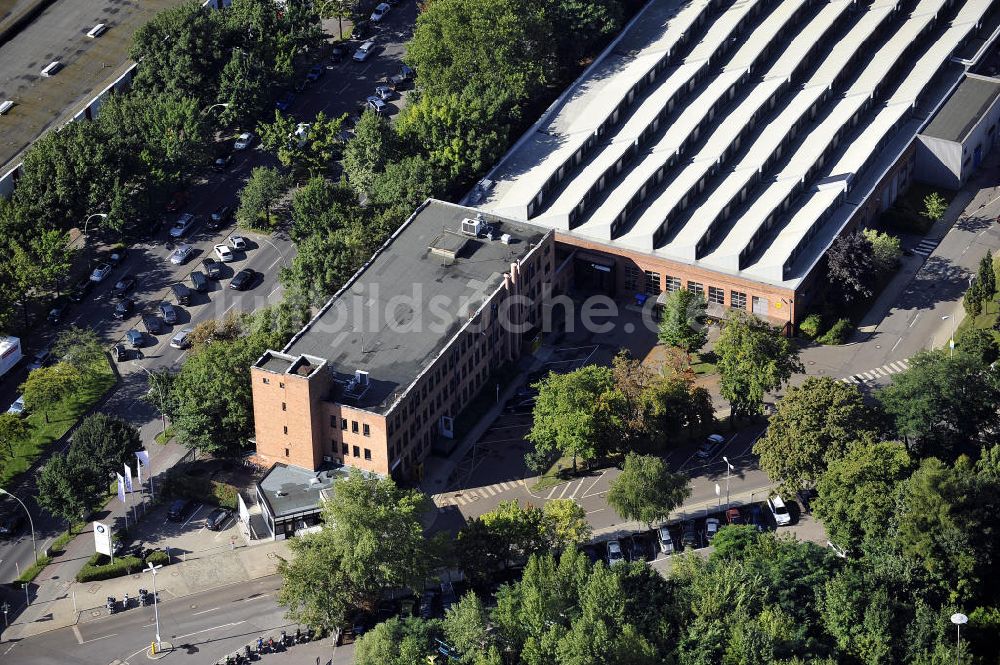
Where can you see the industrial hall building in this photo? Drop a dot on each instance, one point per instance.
(722, 146)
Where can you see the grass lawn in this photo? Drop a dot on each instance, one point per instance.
(61, 418)
(556, 474)
(703, 363)
(991, 310)
(163, 438)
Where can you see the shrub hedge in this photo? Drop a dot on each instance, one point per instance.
(838, 333)
(100, 567)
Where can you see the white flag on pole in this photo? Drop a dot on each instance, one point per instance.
(128, 478)
(121, 487)
(143, 458)
(718, 490)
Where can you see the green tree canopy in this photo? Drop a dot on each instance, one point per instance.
(886, 249)
(815, 424)
(107, 442)
(370, 150)
(646, 490)
(754, 359)
(13, 430)
(47, 386)
(683, 322)
(70, 485)
(566, 523)
(259, 196)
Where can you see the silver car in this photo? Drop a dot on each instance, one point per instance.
(182, 339)
(181, 254)
(364, 51)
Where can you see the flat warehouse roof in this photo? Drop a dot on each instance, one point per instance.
(707, 161)
(975, 95)
(401, 310)
(89, 65)
(290, 490)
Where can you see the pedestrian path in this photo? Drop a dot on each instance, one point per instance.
(878, 373)
(926, 246)
(463, 497)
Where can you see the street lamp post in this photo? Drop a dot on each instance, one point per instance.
(958, 619)
(156, 612)
(213, 106)
(90, 217)
(729, 467)
(31, 522)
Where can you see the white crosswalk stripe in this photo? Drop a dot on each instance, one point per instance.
(926, 247)
(879, 372)
(449, 499)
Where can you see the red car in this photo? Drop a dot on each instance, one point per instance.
(733, 516)
(176, 201)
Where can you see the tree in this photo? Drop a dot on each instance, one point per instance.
(409, 182)
(467, 628)
(397, 642)
(14, 430)
(683, 322)
(566, 523)
(47, 386)
(312, 146)
(986, 277)
(107, 443)
(754, 359)
(886, 249)
(373, 146)
(70, 486)
(82, 349)
(245, 87)
(320, 207)
(934, 206)
(315, 590)
(646, 490)
(978, 343)
(972, 301)
(815, 424)
(573, 413)
(339, 9)
(943, 404)
(851, 265)
(858, 492)
(324, 262)
(263, 190)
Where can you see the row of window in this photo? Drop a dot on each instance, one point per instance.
(648, 282)
(365, 428)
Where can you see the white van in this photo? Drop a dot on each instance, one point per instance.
(780, 511)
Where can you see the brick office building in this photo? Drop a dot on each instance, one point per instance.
(391, 359)
(722, 147)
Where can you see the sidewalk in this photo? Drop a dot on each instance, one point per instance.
(74, 602)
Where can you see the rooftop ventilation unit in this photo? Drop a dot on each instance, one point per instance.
(358, 385)
(505, 238)
(474, 227)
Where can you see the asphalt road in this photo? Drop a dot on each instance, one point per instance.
(341, 90)
(202, 628)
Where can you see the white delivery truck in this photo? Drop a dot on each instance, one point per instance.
(10, 353)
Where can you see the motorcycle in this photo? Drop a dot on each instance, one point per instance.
(143, 597)
(125, 602)
(298, 637)
(260, 645)
(246, 654)
(111, 604)
(284, 639)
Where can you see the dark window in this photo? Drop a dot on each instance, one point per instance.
(285, 428)
(366, 429)
(267, 380)
(286, 452)
(357, 451)
(673, 284)
(368, 454)
(716, 295)
(737, 300)
(343, 424)
(354, 426)
(284, 407)
(343, 449)
(652, 283)
(281, 385)
(695, 287)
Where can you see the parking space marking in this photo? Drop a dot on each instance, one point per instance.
(596, 480)
(196, 511)
(578, 488)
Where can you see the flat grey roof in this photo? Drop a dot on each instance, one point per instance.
(89, 65)
(402, 308)
(290, 490)
(974, 96)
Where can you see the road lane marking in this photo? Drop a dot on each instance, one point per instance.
(263, 595)
(596, 480)
(895, 345)
(205, 630)
(194, 614)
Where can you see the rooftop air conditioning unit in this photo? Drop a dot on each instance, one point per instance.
(361, 377)
(474, 227)
(505, 238)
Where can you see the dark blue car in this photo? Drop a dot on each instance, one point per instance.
(285, 102)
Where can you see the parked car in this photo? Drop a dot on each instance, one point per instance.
(615, 555)
(757, 517)
(100, 273)
(182, 339)
(337, 53)
(212, 267)
(407, 72)
(285, 102)
(80, 289)
(135, 338)
(733, 516)
(199, 281)
(242, 280)
(364, 51)
(181, 254)
(123, 285)
(224, 252)
(169, 313)
(384, 93)
(238, 243)
(243, 141)
(11, 522)
(380, 11)
(152, 324)
(57, 312)
(712, 445)
(689, 536)
(222, 162)
(183, 225)
(181, 293)
(123, 308)
(17, 408)
(780, 511)
(220, 216)
(119, 353)
(666, 543)
(375, 104)
(711, 528)
(315, 72)
(40, 359)
(179, 509)
(217, 519)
